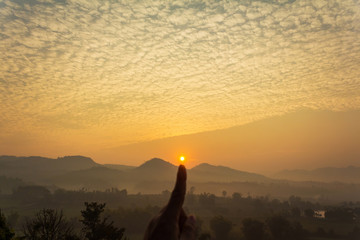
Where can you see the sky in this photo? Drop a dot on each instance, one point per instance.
(78, 76)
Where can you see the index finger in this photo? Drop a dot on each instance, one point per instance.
(178, 194)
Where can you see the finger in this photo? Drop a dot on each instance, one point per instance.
(178, 195)
(189, 229)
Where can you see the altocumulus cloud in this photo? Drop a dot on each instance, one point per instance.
(150, 69)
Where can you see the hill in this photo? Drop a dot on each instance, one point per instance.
(349, 174)
(76, 172)
(305, 139)
(99, 178)
(37, 169)
(209, 173)
(157, 175)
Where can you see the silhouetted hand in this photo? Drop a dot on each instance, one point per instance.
(172, 222)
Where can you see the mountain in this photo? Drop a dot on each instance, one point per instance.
(8, 184)
(210, 173)
(157, 175)
(99, 178)
(155, 169)
(76, 172)
(349, 174)
(36, 168)
(304, 139)
(119, 167)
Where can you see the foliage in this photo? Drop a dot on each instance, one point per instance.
(253, 229)
(281, 229)
(309, 212)
(5, 231)
(355, 234)
(340, 214)
(48, 224)
(96, 228)
(29, 194)
(221, 227)
(133, 220)
(207, 199)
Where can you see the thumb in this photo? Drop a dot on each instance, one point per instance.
(178, 194)
(189, 229)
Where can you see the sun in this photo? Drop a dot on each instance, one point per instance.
(182, 159)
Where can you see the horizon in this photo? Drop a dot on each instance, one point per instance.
(172, 156)
(177, 162)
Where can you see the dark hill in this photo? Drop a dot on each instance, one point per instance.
(210, 173)
(156, 164)
(99, 178)
(349, 174)
(39, 168)
(301, 139)
(154, 169)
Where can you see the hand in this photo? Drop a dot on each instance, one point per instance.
(172, 222)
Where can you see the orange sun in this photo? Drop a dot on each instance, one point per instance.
(182, 159)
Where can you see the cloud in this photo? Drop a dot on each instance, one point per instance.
(158, 68)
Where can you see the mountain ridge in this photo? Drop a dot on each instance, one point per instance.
(301, 139)
(349, 174)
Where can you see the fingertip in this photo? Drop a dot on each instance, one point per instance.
(181, 175)
(178, 194)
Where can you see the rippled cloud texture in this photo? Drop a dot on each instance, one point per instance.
(106, 73)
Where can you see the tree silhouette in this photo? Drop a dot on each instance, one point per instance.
(309, 212)
(236, 196)
(221, 227)
(5, 231)
(282, 229)
(96, 229)
(340, 214)
(279, 227)
(253, 229)
(48, 224)
(207, 199)
(31, 194)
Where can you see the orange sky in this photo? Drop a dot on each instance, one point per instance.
(81, 77)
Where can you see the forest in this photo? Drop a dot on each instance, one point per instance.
(35, 212)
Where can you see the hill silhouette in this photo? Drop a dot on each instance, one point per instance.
(305, 139)
(36, 168)
(209, 173)
(349, 174)
(77, 172)
(99, 177)
(157, 175)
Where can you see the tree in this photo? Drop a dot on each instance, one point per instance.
(207, 199)
(309, 212)
(236, 196)
(48, 224)
(340, 214)
(253, 229)
(295, 212)
(221, 227)
(12, 219)
(31, 194)
(5, 231)
(354, 234)
(281, 229)
(96, 229)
